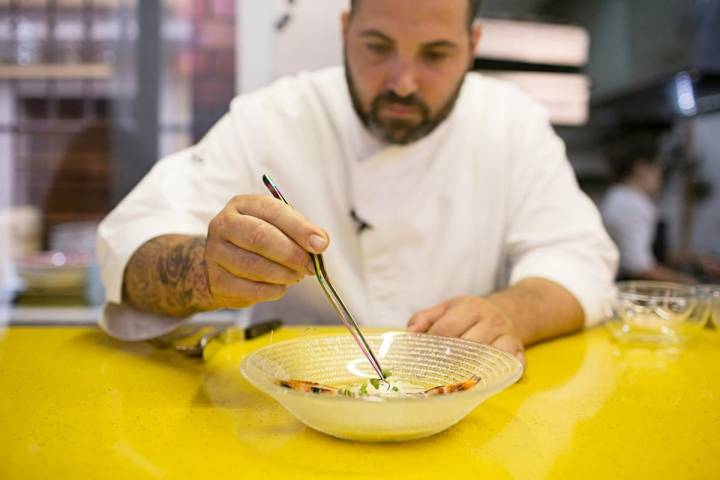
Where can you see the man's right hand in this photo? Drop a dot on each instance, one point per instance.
(256, 247)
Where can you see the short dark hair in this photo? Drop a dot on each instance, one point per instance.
(624, 151)
(473, 9)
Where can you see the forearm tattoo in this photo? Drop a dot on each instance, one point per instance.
(167, 275)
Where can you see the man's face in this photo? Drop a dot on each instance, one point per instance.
(649, 173)
(405, 63)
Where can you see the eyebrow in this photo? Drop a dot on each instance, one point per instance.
(377, 34)
(381, 36)
(441, 44)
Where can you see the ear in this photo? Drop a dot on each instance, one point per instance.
(345, 24)
(475, 36)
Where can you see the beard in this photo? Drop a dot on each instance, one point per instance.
(399, 131)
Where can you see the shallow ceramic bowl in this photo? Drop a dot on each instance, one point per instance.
(423, 360)
(53, 271)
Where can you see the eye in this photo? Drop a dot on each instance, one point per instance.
(433, 56)
(379, 48)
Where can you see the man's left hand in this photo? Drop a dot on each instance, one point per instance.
(472, 318)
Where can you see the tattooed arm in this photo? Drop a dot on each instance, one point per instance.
(255, 248)
(168, 276)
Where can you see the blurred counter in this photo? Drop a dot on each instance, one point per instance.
(52, 315)
(88, 316)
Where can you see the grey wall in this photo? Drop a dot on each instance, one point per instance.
(634, 42)
(706, 234)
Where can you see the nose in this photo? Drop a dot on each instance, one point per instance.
(403, 79)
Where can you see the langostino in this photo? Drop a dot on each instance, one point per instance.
(321, 389)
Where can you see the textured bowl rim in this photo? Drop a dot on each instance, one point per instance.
(269, 387)
(680, 291)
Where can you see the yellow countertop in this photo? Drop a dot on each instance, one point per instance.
(76, 404)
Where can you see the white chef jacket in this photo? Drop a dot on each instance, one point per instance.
(631, 218)
(485, 200)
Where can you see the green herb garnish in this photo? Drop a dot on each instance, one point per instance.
(363, 389)
(395, 389)
(386, 373)
(375, 382)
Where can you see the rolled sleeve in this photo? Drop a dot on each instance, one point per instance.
(585, 278)
(125, 323)
(149, 211)
(179, 196)
(555, 231)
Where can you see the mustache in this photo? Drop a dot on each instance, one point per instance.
(393, 98)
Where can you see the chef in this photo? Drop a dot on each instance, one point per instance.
(442, 200)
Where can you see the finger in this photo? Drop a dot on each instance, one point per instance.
(454, 322)
(264, 239)
(483, 331)
(423, 320)
(251, 266)
(508, 343)
(522, 358)
(288, 220)
(233, 292)
(511, 344)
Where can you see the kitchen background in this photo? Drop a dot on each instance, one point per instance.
(93, 92)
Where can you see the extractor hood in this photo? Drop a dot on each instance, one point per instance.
(650, 59)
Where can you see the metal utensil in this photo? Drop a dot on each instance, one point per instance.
(197, 349)
(193, 341)
(332, 295)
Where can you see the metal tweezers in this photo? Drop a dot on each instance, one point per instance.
(332, 295)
